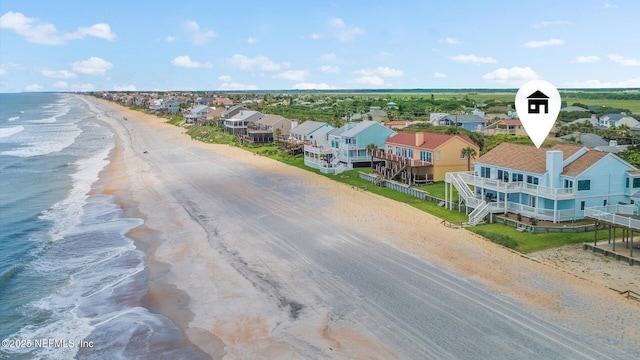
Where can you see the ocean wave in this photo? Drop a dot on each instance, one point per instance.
(66, 214)
(13, 118)
(45, 140)
(8, 131)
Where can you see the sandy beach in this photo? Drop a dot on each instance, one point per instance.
(234, 266)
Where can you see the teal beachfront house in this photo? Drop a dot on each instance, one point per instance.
(346, 147)
(553, 184)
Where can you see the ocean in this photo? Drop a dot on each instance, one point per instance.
(72, 284)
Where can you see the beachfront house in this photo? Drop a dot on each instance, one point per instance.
(553, 184)
(172, 106)
(311, 132)
(347, 147)
(197, 114)
(238, 123)
(268, 128)
(422, 157)
(506, 126)
(609, 120)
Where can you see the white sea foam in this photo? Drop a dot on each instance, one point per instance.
(44, 140)
(67, 213)
(13, 118)
(8, 131)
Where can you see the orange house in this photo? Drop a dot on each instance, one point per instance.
(422, 157)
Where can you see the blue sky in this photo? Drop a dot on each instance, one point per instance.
(208, 45)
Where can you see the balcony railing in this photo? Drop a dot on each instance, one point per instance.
(623, 215)
(381, 154)
(515, 187)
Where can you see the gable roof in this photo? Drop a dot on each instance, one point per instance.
(524, 157)
(308, 127)
(359, 127)
(198, 108)
(588, 140)
(584, 162)
(271, 119)
(431, 140)
(462, 119)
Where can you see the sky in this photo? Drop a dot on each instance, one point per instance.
(141, 45)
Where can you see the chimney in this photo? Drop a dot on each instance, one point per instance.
(554, 168)
(419, 138)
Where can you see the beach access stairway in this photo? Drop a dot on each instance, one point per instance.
(481, 208)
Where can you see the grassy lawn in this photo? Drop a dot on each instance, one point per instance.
(526, 242)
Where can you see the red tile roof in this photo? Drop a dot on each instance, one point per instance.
(431, 140)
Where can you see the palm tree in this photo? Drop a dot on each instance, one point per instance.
(468, 153)
(370, 149)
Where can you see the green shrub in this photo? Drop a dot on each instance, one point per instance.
(500, 239)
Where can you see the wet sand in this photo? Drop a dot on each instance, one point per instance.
(224, 311)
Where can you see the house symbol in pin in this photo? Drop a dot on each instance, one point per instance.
(536, 100)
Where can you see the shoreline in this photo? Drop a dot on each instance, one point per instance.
(142, 236)
(353, 208)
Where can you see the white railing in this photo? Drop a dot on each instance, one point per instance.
(615, 214)
(478, 214)
(540, 213)
(511, 187)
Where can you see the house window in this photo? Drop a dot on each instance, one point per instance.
(398, 150)
(503, 175)
(425, 156)
(532, 180)
(626, 183)
(410, 153)
(437, 155)
(404, 152)
(604, 203)
(636, 183)
(517, 177)
(581, 205)
(485, 172)
(584, 185)
(568, 184)
(389, 149)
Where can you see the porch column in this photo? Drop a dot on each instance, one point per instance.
(555, 211)
(446, 199)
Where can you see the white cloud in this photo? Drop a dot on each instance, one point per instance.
(343, 32)
(38, 32)
(471, 58)
(124, 87)
(92, 66)
(536, 44)
(316, 36)
(627, 61)
(381, 71)
(225, 78)
(252, 40)
(312, 86)
(61, 85)
(82, 87)
(368, 80)
(199, 36)
(237, 86)
(450, 41)
(3, 71)
(58, 74)
(631, 83)
(544, 24)
(186, 62)
(295, 75)
(587, 59)
(609, 6)
(439, 75)
(33, 87)
(171, 39)
(260, 62)
(330, 69)
(100, 31)
(329, 57)
(514, 75)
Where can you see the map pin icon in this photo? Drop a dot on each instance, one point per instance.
(538, 104)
